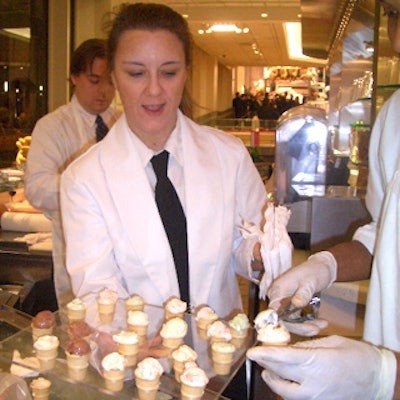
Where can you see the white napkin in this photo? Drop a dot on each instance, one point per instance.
(276, 246)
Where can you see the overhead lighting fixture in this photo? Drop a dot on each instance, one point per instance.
(223, 28)
(264, 15)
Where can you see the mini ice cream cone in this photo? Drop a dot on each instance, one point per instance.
(193, 382)
(113, 365)
(37, 332)
(114, 380)
(46, 348)
(222, 357)
(106, 312)
(77, 366)
(40, 388)
(147, 389)
(178, 369)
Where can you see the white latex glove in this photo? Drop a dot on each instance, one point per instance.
(331, 368)
(301, 283)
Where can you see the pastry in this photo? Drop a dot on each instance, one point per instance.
(79, 329)
(180, 356)
(147, 375)
(175, 307)
(222, 356)
(43, 323)
(128, 346)
(77, 352)
(219, 331)
(46, 348)
(40, 388)
(193, 382)
(134, 303)
(138, 321)
(172, 332)
(76, 310)
(113, 365)
(205, 316)
(106, 301)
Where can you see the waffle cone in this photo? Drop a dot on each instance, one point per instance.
(147, 390)
(238, 342)
(76, 315)
(202, 333)
(191, 392)
(134, 307)
(203, 323)
(106, 312)
(178, 368)
(222, 357)
(221, 369)
(130, 349)
(141, 330)
(78, 374)
(238, 334)
(41, 394)
(172, 343)
(170, 315)
(77, 362)
(37, 332)
(114, 380)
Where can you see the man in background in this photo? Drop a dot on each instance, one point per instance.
(64, 134)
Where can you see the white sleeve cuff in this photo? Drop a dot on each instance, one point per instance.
(387, 377)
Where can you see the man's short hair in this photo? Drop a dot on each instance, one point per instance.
(83, 57)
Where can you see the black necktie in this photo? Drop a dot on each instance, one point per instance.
(101, 128)
(174, 221)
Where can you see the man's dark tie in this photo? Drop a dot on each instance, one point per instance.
(174, 221)
(101, 128)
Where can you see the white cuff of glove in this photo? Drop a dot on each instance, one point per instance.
(387, 377)
(327, 259)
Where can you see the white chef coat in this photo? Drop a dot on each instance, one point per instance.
(57, 139)
(382, 235)
(114, 234)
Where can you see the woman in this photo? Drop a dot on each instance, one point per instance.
(114, 233)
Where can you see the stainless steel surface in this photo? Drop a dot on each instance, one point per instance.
(293, 314)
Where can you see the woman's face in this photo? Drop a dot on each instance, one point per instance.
(392, 10)
(149, 72)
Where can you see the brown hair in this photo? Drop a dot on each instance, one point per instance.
(151, 17)
(83, 57)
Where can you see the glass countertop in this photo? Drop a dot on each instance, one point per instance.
(93, 386)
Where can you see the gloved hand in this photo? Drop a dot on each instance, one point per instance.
(301, 283)
(331, 368)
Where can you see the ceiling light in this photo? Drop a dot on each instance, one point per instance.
(264, 15)
(223, 28)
